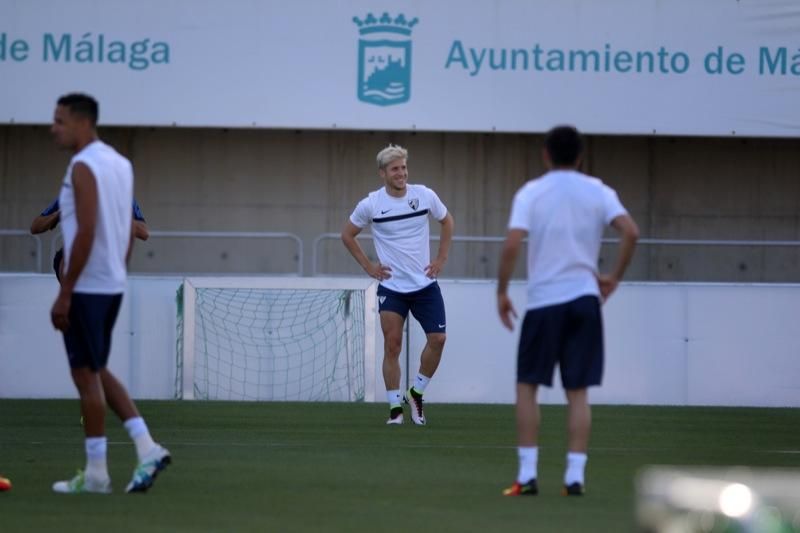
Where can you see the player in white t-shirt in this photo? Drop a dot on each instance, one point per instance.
(398, 213)
(563, 214)
(96, 222)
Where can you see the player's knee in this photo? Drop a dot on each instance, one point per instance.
(436, 341)
(85, 381)
(392, 346)
(577, 396)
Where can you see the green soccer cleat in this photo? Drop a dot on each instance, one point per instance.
(146, 472)
(531, 488)
(81, 484)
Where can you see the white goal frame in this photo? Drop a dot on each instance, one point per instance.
(191, 284)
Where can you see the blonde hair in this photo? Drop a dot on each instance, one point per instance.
(390, 153)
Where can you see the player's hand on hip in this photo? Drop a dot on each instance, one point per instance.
(607, 285)
(433, 270)
(506, 311)
(379, 271)
(59, 314)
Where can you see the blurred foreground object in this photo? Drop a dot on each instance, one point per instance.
(700, 499)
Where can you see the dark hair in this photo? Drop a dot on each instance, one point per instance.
(81, 104)
(564, 145)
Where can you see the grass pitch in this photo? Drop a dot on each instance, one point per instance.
(242, 467)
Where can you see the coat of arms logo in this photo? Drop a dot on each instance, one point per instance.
(384, 59)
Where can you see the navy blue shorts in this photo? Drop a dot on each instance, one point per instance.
(91, 320)
(426, 305)
(568, 334)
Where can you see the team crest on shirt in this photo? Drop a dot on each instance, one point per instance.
(414, 203)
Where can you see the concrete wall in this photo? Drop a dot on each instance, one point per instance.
(307, 183)
(666, 344)
(33, 363)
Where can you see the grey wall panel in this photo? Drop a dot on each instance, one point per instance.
(308, 182)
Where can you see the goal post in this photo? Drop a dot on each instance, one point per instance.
(276, 339)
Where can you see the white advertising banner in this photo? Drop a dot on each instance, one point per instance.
(683, 67)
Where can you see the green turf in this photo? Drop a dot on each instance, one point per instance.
(242, 467)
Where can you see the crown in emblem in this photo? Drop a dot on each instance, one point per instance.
(386, 23)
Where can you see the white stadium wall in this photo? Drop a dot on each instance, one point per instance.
(666, 344)
(33, 363)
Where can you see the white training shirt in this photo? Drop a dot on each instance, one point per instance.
(401, 233)
(105, 271)
(564, 213)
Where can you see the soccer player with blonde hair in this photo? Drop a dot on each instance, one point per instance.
(398, 213)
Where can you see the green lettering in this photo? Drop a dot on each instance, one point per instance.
(55, 50)
(457, 55)
(776, 64)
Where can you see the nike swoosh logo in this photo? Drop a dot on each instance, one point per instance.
(384, 212)
(441, 325)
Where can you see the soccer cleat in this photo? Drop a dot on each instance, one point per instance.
(414, 399)
(531, 488)
(82, 484)
(146, 472)
(573, 489)
(395, 416)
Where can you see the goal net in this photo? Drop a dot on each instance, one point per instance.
(273, 339)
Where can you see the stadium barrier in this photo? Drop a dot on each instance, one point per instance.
(471, 257)
(717, 344)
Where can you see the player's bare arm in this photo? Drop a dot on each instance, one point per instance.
(140, 230)
(85, 189)
(44, 223)
(445, 239)
(629, 234)
(374, 270)
(508, 260)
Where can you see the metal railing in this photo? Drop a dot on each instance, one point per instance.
(238, 235)
(316, 255)
(56, 241)
(709, 242)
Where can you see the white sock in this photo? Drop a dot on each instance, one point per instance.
(420, 382)
(528, 461)
(576, 463)
(394, 398)
(96, 466)
(140, 435)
